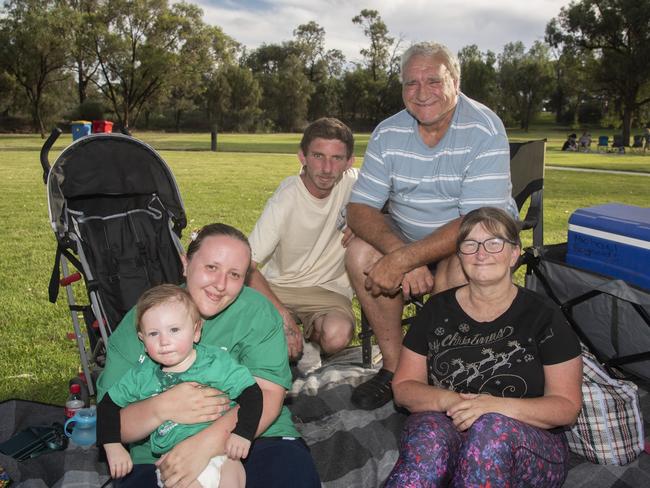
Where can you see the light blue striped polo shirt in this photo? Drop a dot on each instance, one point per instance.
(428, 187)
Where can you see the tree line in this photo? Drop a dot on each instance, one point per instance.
(156, 64)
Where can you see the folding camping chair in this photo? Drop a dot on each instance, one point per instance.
(637, 143)
(527, 175)
(619, 144)
(611, 317)
(603, 144)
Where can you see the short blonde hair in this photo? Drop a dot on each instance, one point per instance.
(164, 294)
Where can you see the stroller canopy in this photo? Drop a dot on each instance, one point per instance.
(110, 164)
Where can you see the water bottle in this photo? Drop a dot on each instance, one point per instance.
(74, 402)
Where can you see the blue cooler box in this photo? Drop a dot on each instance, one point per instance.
(612, 240)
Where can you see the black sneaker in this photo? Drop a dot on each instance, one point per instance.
(375, 392)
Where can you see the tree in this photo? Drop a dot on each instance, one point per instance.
(525, 79)
(309, 42)
(233, 99)
(32, 50)
(478, 74)
(378, 54)
(140, 46)
(286, 89)
(206, 48)
(8, 90)
(617, 32)
(379, 85)
(294, 89)
(322, 67)
(83, 60)
(326, 100)
(572, 84)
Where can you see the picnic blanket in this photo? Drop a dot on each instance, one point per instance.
(352, 448)
(73, 467)
(355, 448)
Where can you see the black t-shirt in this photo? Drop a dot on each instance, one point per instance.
(504, 357)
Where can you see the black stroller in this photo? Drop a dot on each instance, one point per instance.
(117, 215)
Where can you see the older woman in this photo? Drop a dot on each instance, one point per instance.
(490, 373)
(243, 322)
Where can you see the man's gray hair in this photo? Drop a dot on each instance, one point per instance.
(432, 50)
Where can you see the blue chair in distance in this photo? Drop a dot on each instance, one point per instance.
(603, 142)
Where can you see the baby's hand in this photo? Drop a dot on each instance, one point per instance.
(119, 460)
(237, 447)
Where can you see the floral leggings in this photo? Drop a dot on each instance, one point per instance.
(497, 451)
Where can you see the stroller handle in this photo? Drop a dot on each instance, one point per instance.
(54, 135)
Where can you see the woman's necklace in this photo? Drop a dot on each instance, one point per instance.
(489, 308)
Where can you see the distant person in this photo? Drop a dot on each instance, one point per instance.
(299, 242)
(646, 139)
(570, 144)
(429, 165)
(585, 142)
(169, 325)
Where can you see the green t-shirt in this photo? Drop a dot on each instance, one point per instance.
(250, 329)
(212, 367)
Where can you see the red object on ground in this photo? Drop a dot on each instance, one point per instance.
(102, 126)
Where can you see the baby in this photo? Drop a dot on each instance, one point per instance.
(169, 325)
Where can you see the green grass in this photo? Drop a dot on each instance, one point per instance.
(288, 144)
(36, 358)
(630, 161)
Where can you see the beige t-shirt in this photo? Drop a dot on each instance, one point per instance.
(296, 238)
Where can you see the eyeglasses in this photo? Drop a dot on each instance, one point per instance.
(493, 246)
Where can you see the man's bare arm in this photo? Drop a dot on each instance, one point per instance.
(258, 281)
(370, 224)
(436, 246)
(406, 266)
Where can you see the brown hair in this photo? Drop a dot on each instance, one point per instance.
(163, 294)
(328, 128)
(496, 221)
(217, 229)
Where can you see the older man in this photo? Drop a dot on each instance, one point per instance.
(432, 163)
(300, 237)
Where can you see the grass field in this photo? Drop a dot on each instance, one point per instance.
(232, 185)
(288, 144)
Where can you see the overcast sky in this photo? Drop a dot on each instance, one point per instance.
(490, 24)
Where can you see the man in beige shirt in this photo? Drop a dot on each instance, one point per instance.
(299, 242)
